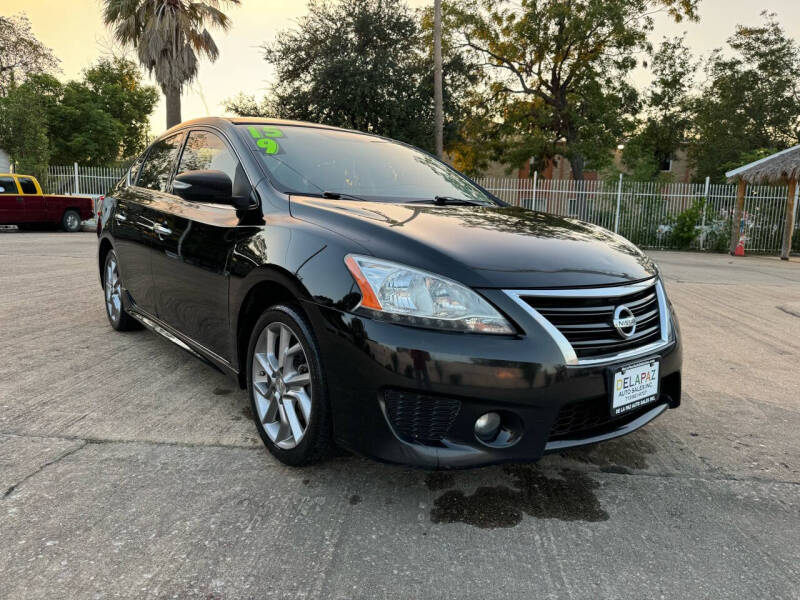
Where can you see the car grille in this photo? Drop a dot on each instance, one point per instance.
(590, 416)
(420, 418)
(586, 321)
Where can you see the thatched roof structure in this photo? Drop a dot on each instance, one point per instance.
(781, 167)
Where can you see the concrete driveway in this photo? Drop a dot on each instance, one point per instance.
(130, 469)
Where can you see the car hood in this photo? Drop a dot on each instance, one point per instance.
(494, 247)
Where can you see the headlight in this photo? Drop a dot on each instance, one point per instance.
(413, 297)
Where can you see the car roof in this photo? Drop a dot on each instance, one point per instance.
(223, 121)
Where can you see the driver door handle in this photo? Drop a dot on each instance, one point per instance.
(161, 230)
(120, 217)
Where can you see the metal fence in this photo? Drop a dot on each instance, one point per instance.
(646, 212)
(87, 181)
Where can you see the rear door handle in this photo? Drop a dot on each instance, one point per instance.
(120, 217)
(161, 230)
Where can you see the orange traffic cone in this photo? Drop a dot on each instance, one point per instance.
(739, 247)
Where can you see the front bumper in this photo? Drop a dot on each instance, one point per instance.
(524, 376)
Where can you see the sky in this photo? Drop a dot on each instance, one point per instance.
(75, 32)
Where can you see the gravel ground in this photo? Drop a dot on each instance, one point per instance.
(130, 469)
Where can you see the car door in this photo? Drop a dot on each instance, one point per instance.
(11, 202)
(193, 241)
(32, 200)
(134, 217)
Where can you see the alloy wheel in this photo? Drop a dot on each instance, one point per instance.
(72, 222)
(282, 385)
(113, 290)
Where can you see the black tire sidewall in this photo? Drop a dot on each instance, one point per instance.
(315, 442)
(64, 221)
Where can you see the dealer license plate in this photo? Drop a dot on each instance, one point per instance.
(634, 386)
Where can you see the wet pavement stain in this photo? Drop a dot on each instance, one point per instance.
(221, 391)
(568, 498)
(439, 480)
(355, 499)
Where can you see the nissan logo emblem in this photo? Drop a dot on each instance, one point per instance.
(624, 321)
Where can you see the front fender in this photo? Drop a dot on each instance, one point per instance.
(302, 258)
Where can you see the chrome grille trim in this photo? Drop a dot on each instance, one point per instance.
(567, 349)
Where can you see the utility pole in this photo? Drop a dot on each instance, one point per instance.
(437, 77)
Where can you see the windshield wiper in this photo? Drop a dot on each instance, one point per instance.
(442, 200)
(340, 196)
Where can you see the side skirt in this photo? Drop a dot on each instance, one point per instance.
(189, 345)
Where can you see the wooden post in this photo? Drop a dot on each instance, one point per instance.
(788, 228)
(737, 215)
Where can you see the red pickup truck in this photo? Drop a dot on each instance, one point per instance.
(22, 203)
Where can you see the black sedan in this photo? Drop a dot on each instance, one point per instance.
(368, 295)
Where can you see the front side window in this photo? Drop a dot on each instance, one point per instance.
(205, 151)
(309, 160)
(8, 185)
(133, 172)
(157, 168)
(27, 185)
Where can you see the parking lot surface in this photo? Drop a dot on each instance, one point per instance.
(130, 469)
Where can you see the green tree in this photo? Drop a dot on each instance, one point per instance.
(21, 53)
(23, 123)
(365, 65)
(80, 130)
(750, 102)
(168, 36)
(118, 88)
(557, 72)
(103, 117)
(97, 120)
(667, 116)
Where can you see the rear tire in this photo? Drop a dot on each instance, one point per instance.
(71, 221)
(112, 294)
(286, 387)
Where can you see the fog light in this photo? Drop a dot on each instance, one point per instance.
(487, 426)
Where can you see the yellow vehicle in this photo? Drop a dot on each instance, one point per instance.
(22, 203)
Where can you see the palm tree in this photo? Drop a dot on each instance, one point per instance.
(168, 36)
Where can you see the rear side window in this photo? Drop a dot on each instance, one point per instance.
(157, 168)
(27, 185)
(7, 185)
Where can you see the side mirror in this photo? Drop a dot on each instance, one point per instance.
(204, 186)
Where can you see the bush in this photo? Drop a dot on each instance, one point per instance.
(684, 226)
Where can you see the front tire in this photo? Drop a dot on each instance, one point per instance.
(71, 221)
(285, 384)
(112, 293)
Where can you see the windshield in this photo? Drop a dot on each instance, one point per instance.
(308, 160)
